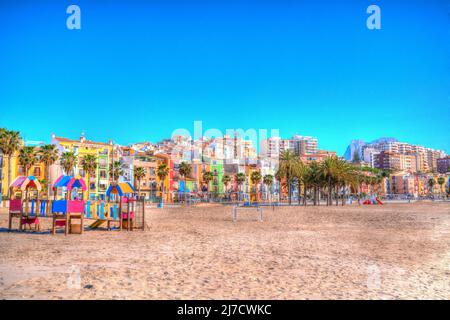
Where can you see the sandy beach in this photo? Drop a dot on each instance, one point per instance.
(394, 251)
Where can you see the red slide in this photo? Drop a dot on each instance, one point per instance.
(378, 201)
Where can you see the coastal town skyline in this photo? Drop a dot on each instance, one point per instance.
(30, 139)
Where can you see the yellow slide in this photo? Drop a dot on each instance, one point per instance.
(97, 223)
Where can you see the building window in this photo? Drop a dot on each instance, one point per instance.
(102, 163)
(37, 171)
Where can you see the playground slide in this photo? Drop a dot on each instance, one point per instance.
(379, 202)
(97, 224)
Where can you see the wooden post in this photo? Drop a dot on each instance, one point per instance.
(120, 213)
(82, 212)
(82, 224)
(66, 230)
(143, 214)
(9, 209)
(21, 213)
(37, 211)
(128, 215)
(54, 224)
(10, 221)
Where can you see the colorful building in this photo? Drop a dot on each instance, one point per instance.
(147, 186)
(98, 183)
(216, 168)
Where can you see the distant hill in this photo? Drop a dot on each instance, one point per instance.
(384, 139)
(357, 145)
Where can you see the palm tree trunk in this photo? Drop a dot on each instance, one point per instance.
(317, 196)
(336, 191)
(330, 191)
(288, 184)
(88, 186)
(314, 195)
(48, 181)
(9, 176)
(304, 195)
(139, 189)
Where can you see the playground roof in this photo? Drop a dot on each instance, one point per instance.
(120, 188)
(23, 182)
(70, 182)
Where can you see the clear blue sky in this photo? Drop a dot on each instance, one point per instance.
(137, 70)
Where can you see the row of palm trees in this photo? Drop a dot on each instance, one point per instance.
(431, 183)
(333, 175)
(185, 170)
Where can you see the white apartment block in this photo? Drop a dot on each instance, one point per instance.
(423, 158)
(300, 145)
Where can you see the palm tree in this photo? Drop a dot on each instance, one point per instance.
(440, 181)
(240, 179)
(330, 169)
(268, 181)
(226, 180)
(383, 174)
(89, 166)
(48, 155)
(304, 175)
(431, 184)
(9, 144)
(344, 174)
(116, 170)
(162, 171)
(316, 180)
(69, 161)
(255, 177)
(300, 175)
(185, 170)
(28, 157)
(287, 169)
(207, 177)
(139, 173)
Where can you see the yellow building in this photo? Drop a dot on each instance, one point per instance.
(38, 170)
(98, 183)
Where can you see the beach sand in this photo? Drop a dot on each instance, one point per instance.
(394, 251)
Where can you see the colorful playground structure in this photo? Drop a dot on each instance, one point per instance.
(69, 210)
(19, 206)
(373, 200)
(66, 211)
